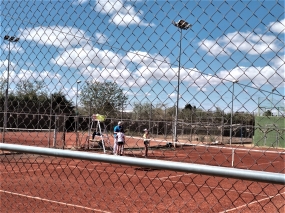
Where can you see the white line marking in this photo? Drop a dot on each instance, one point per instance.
(246, 166)
(247, 204)
(53, 201)
(175, 176)
(281, 152)
(180, 182)
(19, 171)
(162, 178)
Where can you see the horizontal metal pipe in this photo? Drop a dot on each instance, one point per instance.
(259, 176)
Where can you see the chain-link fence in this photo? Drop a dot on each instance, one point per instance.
(205, 78)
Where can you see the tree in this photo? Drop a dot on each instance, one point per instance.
(142, 111)
(103, 98)
(161, 112)
(28, 97)
(32, 97)
(268, 113)
(188, 106)
(31, 90)
(61, 105)
(2, 87)
(188, 113)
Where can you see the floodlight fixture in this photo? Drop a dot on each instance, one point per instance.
(184, 25)
(11, 38)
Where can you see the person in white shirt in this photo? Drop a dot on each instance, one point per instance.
(146, 140)
(120, 143)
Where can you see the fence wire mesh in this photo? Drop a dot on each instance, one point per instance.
(205, 78)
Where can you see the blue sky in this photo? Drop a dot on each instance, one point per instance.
(135, 44)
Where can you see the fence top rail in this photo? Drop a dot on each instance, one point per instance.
(243, 174)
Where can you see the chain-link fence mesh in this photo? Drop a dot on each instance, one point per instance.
(205, 78)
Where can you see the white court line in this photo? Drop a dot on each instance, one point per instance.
(19, 171)
(217, 147)
(14, 172)
(236, 208)
(53, 201)
(175, 176)
(163, 178)
(246, 166)
(219, 188)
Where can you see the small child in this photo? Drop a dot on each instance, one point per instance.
(120, 143)
(146, 141)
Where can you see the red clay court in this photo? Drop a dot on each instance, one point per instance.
(46, 184)
(35, 183)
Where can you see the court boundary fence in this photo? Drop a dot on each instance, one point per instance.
(243, 174)
(51, 136)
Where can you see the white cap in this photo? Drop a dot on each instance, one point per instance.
(145, 130)
(120, 122)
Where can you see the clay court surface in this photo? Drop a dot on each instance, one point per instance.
(33, 183)
(237, 156)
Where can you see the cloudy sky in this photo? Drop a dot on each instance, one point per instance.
(135, 44)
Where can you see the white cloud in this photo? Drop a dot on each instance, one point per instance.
(30, 75)
(108, 6)
(191, 76)
(121, 14)
(4, 71)
(7, 63)
(126, 19)
(150, 68)
(57, 36)
(212, 47)
(122, 77)
(172, 95)
(198, 79)
(76, 2)
(87, 55)
(146, 59)
(14, 46)
(101, 38)
(259, 76)
(246, 42)
(278, 63)
(277, 27)
(127, 92)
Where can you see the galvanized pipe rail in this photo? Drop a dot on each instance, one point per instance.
(259, 176)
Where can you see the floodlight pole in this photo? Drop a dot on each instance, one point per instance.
(231, 128)
(89, 111)
(9, 39)
(122, 109)
(182, 25)
(50, 118)
(272, 105)
(76, 122)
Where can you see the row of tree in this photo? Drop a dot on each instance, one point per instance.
(189, 114)
(105, 98)
(32, 98)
